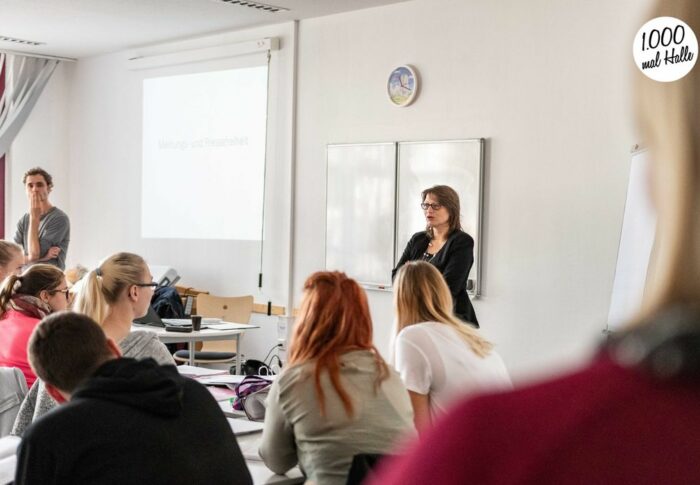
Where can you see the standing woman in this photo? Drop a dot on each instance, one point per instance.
(444, 245)
(114, 294)
(24, 301)
(439, 358)
(337, 397)
(11, 259)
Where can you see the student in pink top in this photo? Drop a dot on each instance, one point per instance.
(24, 301)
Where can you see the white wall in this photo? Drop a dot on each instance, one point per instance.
(43, 142)
(546, 83)
(92, 113)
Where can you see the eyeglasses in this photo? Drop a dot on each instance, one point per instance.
(435, 206)
(66, 292)
(152, 284)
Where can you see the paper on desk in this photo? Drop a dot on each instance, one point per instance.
(243, 426)
(221, 393)
(8, 446)
(192, 371)
(227, 379)
(227, 326)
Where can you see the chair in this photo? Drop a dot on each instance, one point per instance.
(236, 309)
(362, 466)
(13, 388)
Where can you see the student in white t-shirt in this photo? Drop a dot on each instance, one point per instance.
(439, 357)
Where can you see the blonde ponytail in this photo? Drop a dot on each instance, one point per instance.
(106, 284)
(90, 301)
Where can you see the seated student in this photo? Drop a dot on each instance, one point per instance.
(24, 301)
(125, 421)
(337, 397)
(438, 357)
(114, 294)
(11, 259)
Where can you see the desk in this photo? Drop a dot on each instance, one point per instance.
(201, 336)
(261, 474)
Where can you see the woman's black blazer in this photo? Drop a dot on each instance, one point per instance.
(454, 261)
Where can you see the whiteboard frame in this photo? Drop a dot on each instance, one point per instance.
(475, 290)
(369, 285)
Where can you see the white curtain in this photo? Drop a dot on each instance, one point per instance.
(25, 78)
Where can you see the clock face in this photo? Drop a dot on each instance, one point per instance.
(402, 86)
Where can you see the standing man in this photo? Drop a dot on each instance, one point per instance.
(43, 232)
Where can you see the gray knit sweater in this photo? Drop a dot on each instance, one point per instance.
(137, 345)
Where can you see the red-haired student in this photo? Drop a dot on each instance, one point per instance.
(337, 398)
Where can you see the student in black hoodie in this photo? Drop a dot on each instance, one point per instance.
(124, 421)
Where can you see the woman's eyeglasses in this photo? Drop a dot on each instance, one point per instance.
(425, 206)
(66, 292)
(152, 284)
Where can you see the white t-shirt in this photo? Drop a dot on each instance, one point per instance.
(432, 358)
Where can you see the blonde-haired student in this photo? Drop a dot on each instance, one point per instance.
(438, 357)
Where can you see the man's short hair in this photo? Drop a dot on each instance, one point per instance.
(66, 348)
(38, 171)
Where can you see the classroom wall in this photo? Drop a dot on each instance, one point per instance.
(48, 123)
(92, 110)
(546, 83)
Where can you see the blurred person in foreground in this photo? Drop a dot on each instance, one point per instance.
(633, 414)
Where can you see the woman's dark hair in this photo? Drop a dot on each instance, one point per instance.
(33, 281)
(447, 197)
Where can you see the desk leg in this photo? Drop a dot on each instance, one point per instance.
(191, 346)
(238, 354)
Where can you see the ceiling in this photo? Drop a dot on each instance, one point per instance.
(83, 28)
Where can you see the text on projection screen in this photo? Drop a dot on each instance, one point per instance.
(204, 155)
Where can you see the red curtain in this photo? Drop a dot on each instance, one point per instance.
(2, 163)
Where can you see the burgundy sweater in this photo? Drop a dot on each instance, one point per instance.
(603, 424)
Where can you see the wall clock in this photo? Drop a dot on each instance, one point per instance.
(402, 85)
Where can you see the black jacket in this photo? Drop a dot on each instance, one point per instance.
(454, 261)
(133, 422)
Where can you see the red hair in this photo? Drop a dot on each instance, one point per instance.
(334, 319)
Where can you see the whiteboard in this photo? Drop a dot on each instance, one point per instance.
(360, 207)
(636, 243)
(457, 163)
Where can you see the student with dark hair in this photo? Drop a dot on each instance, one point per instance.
(44, 231)
(445, 245)
(124, 421)
(337, 397)
(24, 301)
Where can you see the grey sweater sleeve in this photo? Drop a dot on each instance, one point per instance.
(37, 403)
(157, 350)
(277, 447)
(142, 344)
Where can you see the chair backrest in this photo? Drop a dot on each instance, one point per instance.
(236, 309)
(13, 388)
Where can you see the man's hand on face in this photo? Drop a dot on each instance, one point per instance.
(35, 204)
